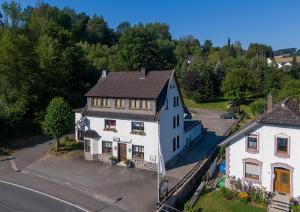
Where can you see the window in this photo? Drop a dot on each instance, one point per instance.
(167, 104)
(139, 104)
(174, 121)
(252, 143)
(137, 126)
(174, 144)
(177, 141)
(137, 152)
(282, 145)
(177, 101)
(174, 101)
(252, 171)
(104, 102)
(87, 145)
(100, 102)
(106, 147)
(177, 120)
(110, 124)
(119, 103)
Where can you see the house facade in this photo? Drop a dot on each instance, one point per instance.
(266, 151)
(133, 116)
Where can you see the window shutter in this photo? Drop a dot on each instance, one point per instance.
(253, 169)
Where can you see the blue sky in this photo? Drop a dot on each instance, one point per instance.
(273, 22)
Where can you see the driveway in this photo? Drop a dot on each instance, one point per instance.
(124, 189)
(216, 127)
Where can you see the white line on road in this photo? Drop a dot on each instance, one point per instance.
(47, 195)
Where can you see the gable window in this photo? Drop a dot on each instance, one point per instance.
(119, 103)
(174, 101)
(138, 152)
(174, 144)
(252, 171)
(87, 145)
(177, 141)
(107, 147)
(174, 122)
(110, 124)
(177, 120)
(252, 143)
(177, 101)
(137, 127)
(282, 145)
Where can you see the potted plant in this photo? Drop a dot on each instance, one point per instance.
(128, 163)
(113, 160)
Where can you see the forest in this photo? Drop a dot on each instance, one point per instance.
(47, 52)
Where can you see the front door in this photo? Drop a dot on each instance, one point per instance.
(282, 181)
(122, 152)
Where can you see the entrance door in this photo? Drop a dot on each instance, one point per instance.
(122, 152)
(282, 180)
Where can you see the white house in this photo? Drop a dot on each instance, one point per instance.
(133, 115)
(266, 151)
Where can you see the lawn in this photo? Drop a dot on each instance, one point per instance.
(219, 104)
(213, 201)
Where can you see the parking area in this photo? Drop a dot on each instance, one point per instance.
(216, 127)
(126, 189)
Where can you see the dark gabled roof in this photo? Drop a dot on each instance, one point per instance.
(131, 85)
(133, 116)
(286, 112)
(190, 124)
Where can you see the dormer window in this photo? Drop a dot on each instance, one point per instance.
(119, 103)
(100, 102)
(252, 143)
(282, 145)
(139, 104)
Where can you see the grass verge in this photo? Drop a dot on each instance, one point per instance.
(219, 104)
(213, 201)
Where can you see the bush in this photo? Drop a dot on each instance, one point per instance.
(259, 106)
(188, 208)
(244, 197)
(296, 208)
(228, 194)
(258, 196)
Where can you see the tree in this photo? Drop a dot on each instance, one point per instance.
(219, 76)
(58, 120)
(238, 84)
(122, 27)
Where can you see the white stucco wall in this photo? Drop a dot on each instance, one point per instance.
(266, 155)
(167, 133)
(149, 141)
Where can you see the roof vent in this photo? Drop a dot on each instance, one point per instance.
(143, 73)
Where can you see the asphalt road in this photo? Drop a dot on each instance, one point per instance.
(13, 199)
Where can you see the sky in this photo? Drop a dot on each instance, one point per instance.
(272, 22)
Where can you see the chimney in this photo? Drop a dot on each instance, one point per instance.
(143, 73)
(270, 102)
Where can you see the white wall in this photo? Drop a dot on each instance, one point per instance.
(167, 133)
(192, 134)
(149, 141)
(267, 156)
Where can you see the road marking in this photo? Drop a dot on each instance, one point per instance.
(47, 195)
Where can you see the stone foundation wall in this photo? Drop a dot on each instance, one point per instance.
(139, 163)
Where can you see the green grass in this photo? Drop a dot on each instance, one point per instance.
(213, 201)
(219, 104)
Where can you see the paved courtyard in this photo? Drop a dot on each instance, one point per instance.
(216, 127)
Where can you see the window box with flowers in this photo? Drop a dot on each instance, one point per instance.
(110, 125)
(137, 128)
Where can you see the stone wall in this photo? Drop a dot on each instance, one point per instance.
(139, 163)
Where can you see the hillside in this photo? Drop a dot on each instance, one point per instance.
(280, 59)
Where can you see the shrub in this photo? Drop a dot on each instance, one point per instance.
(296, 208)
(259, 195)
(188, 208)
(258, 107)
(228, 194)
(244, 197)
